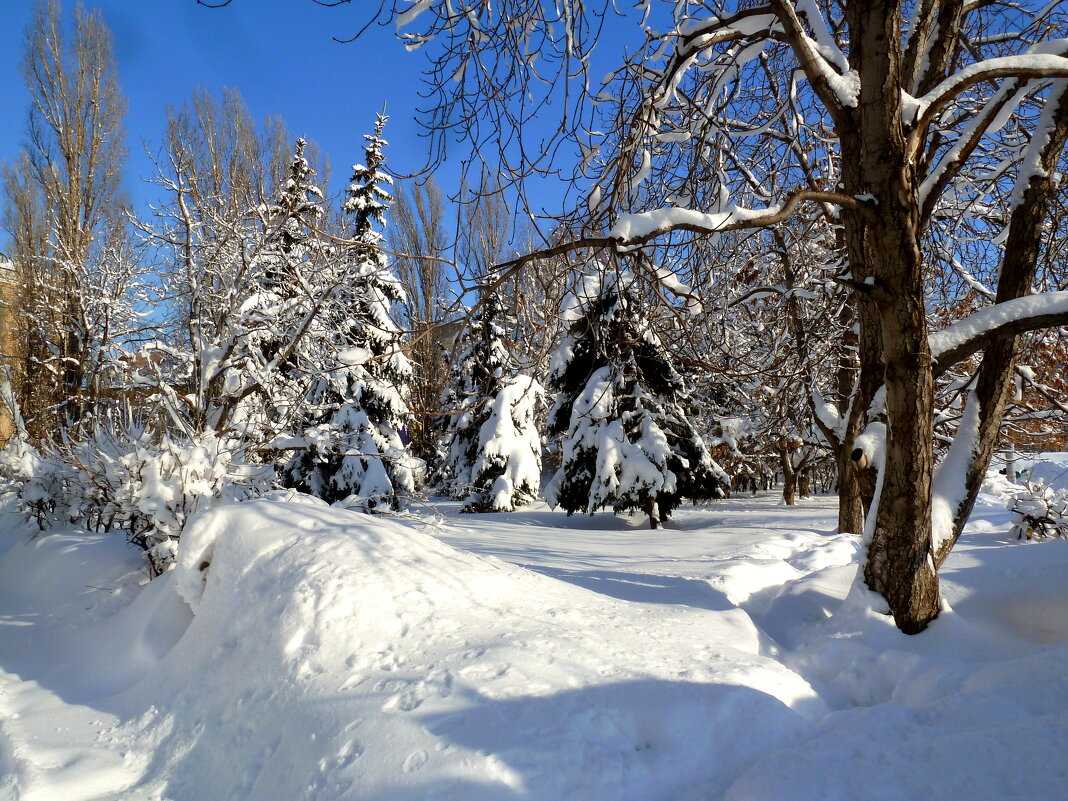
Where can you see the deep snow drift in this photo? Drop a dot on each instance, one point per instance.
(305, 652)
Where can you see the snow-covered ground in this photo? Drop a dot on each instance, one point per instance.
(1050, 469)
(333, 655)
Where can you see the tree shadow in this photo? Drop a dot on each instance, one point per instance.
(643, 588)
(643, 739)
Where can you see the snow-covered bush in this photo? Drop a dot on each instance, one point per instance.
(143, 483)
(1040, 511)
(38, 480)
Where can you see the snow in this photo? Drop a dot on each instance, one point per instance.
(509, 440)
(746, 26)
(872, 443)
(990, 317)
(1031, 163)
(355, 357)
(1042, 58)
(845, 85)
(335, 655)
(827, 45)
(732, 429)
(640, 225)
(644, 168)
(587, 290)
(1049, 469)
(671, 283)
(828, 414)
(950, 486)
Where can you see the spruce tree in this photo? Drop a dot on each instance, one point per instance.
(274, 347)
(356, 409)
(492, 444)
(626, 438)
(291, 222)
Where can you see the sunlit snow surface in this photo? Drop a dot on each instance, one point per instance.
(334, 655)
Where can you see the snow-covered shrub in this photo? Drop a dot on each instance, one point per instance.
(160, 481)
(38, 480)
(1040, 511)
(129, 479)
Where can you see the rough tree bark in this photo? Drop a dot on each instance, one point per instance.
(789, 475)
(899, 564)
(652, 509)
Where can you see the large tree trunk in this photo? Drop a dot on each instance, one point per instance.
(789, 488)
(899, 563)
(850, 505)
(885, 255)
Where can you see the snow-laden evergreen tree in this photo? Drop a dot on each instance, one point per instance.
(293, 292)
(626, 437)
(356, 410)
(492, 444)
(292, 222)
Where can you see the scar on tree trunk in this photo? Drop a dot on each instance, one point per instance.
(865, 477)
(653, 510)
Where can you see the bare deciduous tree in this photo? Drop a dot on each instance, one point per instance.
(66, 215)
(912, 100)
(217, 173)
(421, 232)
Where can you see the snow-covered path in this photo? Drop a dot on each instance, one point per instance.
(525, 656)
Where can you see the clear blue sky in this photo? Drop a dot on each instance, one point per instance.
(278, 53)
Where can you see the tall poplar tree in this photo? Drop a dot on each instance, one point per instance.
(65, 213)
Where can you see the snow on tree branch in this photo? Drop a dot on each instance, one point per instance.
(633, 230)
(1042, 62)
(1018, 316)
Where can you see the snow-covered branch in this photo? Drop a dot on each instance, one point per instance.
(974, 332)
(1030, 65)
(633, 230)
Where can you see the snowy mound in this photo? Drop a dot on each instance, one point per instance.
(338, 656)
(1049, 469)
(414, 666)
(334, 655)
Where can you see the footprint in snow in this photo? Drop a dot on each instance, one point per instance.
(485, 672)
(349, 752)
(406, 701)
(415, 761)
